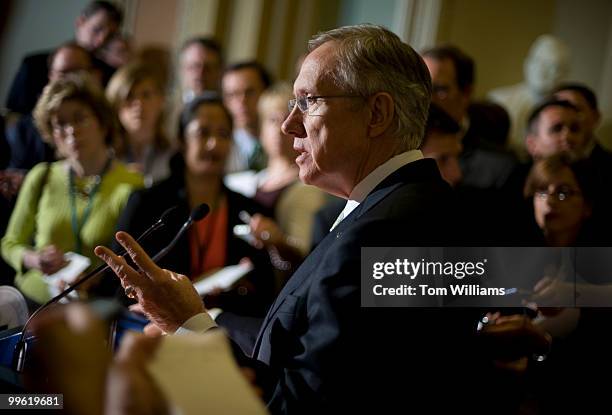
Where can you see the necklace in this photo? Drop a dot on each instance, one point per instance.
(88, 191)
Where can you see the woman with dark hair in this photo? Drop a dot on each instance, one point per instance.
(205, 137)
(565, 201)
(72, 204)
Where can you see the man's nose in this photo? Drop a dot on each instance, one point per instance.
(294, 124)
(69, 130)
(243, 97)
(211, 142)
(565, 137)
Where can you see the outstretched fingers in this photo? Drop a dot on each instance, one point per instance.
(127, 274)
(138, 255)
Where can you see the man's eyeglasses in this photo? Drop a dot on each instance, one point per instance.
(561, 194)
(305, 103)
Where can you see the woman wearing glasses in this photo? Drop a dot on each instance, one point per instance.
(564, 201)
(70, 205)
(562, 193)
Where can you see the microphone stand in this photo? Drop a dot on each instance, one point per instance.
(21, 345)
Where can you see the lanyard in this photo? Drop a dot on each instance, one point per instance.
(76, 226)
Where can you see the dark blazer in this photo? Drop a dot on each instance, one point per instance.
(5, 149)
(326, 353)
(31, 78)
(485, 163)
(27, 145)
(145, 206)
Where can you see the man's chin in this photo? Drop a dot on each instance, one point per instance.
(323, 182)
(305, 177)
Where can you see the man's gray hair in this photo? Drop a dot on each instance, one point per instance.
(372, 59)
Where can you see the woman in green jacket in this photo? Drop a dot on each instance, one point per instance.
(71, 205)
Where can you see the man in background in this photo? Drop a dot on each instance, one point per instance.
(546, 65)
(27, 146)
(242, 84)
(484, 125)
(200, 66)
(98, 22)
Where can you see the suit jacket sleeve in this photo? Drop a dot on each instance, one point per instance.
(242, 330)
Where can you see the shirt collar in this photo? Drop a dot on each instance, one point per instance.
(245, 140)
(377, 175)
(464, 126)
(365, 187)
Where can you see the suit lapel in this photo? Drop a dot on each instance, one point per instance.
(301, 275)
(419, 170)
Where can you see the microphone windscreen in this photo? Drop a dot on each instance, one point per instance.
(167, 214)
(199, 212)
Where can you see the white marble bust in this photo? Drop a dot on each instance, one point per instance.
(546, 65)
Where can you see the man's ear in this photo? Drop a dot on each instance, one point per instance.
(382, 109)
(466, 96)
(597, 119)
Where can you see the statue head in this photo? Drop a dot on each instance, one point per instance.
(546, 65)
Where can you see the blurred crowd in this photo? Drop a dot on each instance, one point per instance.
(101, 138)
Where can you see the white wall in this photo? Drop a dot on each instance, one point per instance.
(34, 25)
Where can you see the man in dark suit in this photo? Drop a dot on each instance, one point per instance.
(93, 27)
(484, 125)
(589, 117)
(358, 119)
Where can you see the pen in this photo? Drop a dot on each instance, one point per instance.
(244, 216)
(515, 290)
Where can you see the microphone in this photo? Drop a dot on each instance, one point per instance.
(21, 345)
(198, 213)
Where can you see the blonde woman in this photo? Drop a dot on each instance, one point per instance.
(136, 94)
(70, 205)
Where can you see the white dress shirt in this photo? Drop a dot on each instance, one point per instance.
(364, 187)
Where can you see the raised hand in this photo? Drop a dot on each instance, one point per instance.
(168, 299)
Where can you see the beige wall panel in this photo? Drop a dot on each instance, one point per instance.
(155, 22)
(245, 22)
(496, 34)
